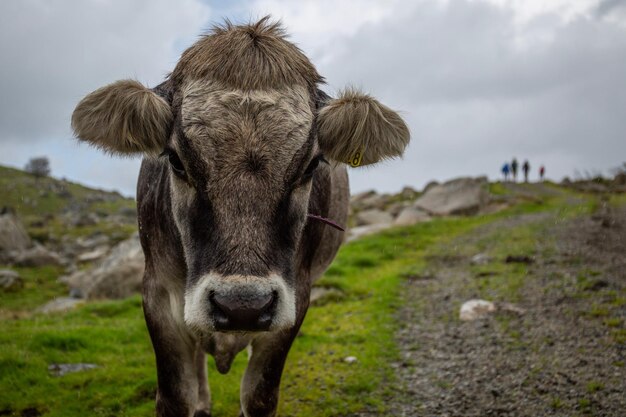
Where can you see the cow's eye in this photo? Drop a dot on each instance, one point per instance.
(315, 162)
(175, 162)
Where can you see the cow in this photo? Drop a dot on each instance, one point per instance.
(242, 154)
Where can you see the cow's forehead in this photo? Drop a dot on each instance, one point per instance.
(220, 121)
(246, 138)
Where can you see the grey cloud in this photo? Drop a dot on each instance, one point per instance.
(606, 7)
(54, 52)
(477, 89)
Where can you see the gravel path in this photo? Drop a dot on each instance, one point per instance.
(563, 357)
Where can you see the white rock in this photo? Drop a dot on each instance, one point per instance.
(475, 309)
(118, 275)
(350, 359)
(410, 216)
(462, 196)
(480, 259)
(60, 369)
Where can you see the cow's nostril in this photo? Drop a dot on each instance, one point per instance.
(244, 311)
(219, 316)
(265, 319)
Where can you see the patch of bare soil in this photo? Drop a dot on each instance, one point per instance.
(563, 357)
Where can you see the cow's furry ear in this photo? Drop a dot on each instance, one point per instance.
(123, 118)
(358, 130)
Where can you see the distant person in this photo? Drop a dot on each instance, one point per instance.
(526, 169)
(514, 169)
(542, 172)
(505, 171)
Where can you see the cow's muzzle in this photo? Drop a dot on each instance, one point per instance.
(236, 303)
(242, 311)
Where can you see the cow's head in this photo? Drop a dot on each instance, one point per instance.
(243, 127)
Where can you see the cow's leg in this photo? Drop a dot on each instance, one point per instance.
(203, 408)
(261, 382)
(175, 351)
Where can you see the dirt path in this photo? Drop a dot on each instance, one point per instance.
(563, 357)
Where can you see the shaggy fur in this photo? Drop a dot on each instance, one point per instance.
(248, 57)
(123, 117)
(356, 122)
(238, 133)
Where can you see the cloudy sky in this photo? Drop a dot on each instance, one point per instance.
(478, 81)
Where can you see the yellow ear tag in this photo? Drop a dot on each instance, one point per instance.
(356, 158)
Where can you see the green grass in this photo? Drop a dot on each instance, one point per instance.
(594, 386)
(317, 381)
(498, 189)
(584, 404)
(556, 403)
(40, 286)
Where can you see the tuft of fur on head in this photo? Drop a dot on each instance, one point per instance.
(356, 122)
(123, 118)
(247, 57)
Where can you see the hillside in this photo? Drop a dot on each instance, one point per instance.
(55, 228)
(385, 337)
(52, 208)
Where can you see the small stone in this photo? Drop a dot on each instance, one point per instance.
(475, 309)
(60, 369)
(480, 259)
(350, 359)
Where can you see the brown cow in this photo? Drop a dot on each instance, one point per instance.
(240, 147)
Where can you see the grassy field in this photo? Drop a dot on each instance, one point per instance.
(358, 320)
